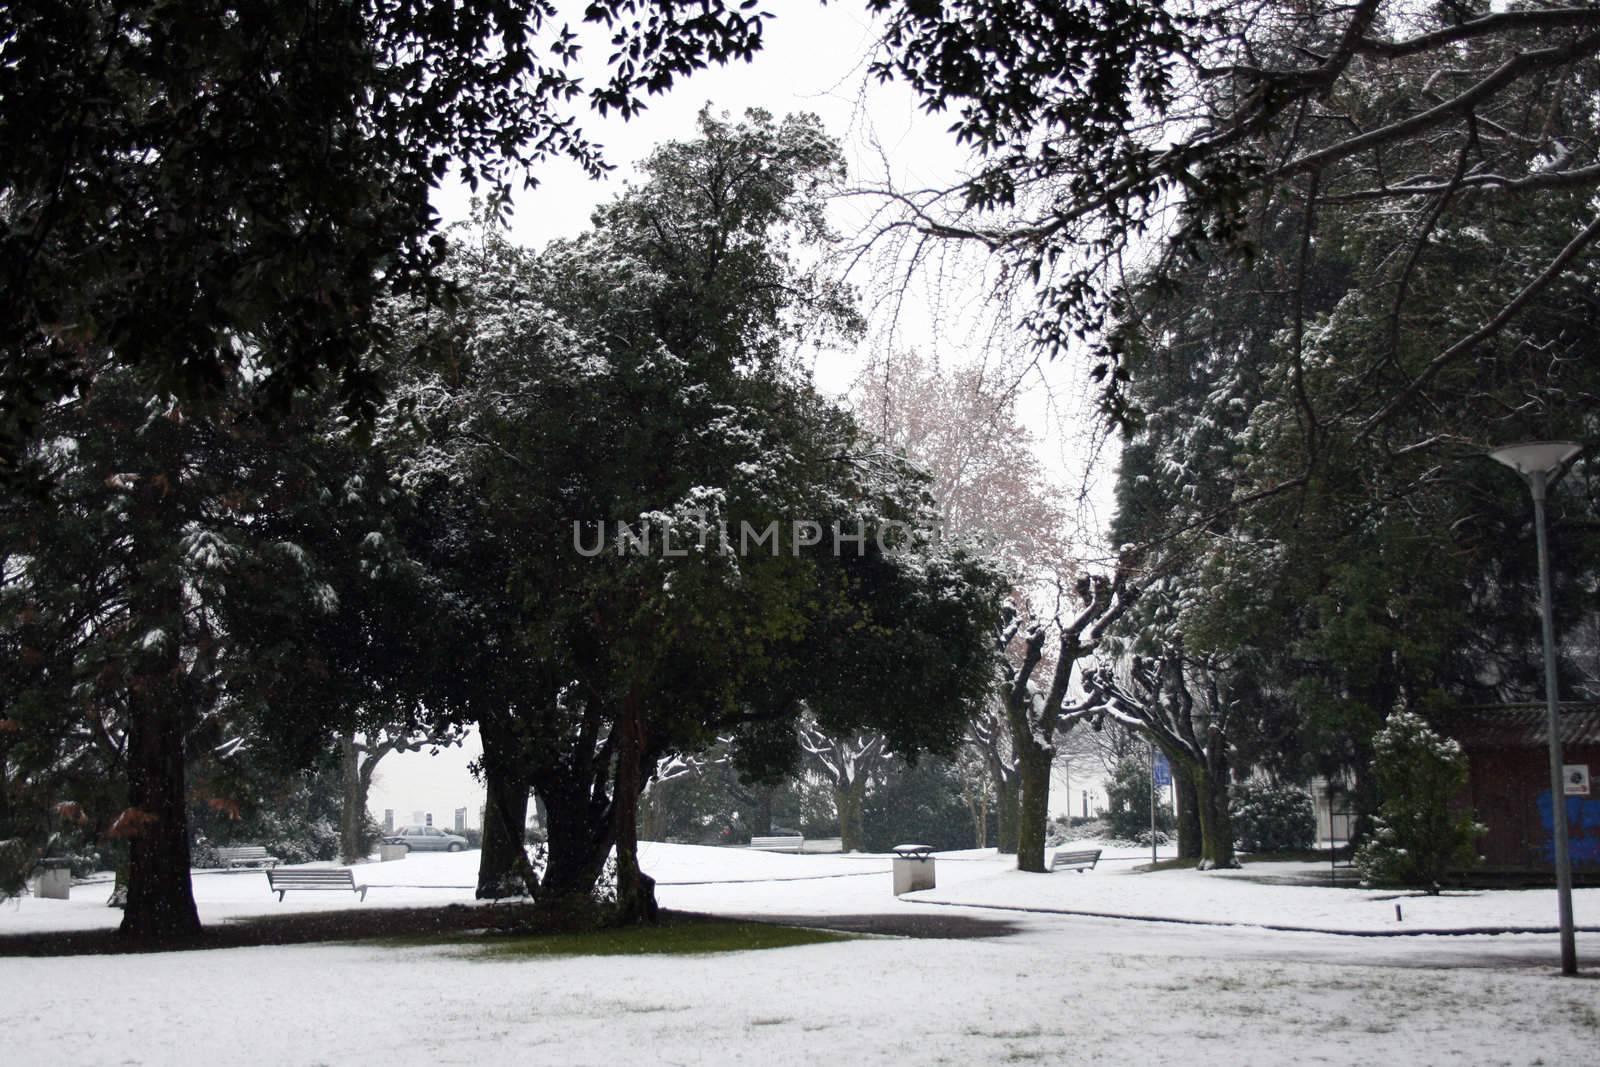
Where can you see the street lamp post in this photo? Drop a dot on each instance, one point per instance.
(1540, 463)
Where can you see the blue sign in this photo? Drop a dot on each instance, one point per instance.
(1163, 770)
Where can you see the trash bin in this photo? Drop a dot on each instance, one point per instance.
(392, 852)
(913, 868)
(53, 879)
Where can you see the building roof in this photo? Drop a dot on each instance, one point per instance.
(1520, 725)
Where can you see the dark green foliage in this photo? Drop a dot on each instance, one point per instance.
(1419, 836)
(295, 817)
(1127, 814)
(1108, 125)
(1272, 818)
(920, 804)
(183, 183)
(651, 359)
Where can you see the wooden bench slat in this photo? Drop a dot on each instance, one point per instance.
(280, 882)
(1080, 860)
(236, 855)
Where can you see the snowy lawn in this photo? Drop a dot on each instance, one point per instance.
(1237, 897)
(1058, 989)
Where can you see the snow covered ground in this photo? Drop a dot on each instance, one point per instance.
(1239, 897)
(1056, 989)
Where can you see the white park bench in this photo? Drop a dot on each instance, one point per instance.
(778, 844)
(246, 856)
(280, 882)
(1080, 861)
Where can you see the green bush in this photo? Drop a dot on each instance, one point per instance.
(919, 804)
(1128, 802)
(1417, 836)
(1270, 818)
(1064, 828)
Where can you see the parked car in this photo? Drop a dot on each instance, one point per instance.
(426, 839)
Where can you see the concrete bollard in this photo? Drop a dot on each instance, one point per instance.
(53, 883)
(913, 868)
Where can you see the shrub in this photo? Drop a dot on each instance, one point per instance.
(1417, 837)
(921, 804)
(1128, 802)
(1270, 818)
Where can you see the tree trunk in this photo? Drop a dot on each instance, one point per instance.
(578, 832)
(503, 869)
(1007, 796)
(653, 812)
(160, 899)
(354, 807)
(636, 897)
(849, 800)
(1216, 822)
(119, 887)
(1188, 800)
(1033, 806)
(976, 797)
(762, 823)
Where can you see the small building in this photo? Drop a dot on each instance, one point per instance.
(1508, 767)
(1336, 820)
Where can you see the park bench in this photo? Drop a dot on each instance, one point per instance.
(280, 882)
(1080, 861)
(778, 844)
(247, 856)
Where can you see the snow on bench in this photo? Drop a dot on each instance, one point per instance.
(778, 844)
(1083, 860)
(280, 882)
(247, 856)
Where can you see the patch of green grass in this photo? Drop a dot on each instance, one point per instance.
(671, 937)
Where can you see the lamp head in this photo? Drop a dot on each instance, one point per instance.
(1536, 457)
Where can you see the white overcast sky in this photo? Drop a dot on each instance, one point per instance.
(814, 60)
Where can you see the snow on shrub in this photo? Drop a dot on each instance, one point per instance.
(1417, 837)
(1272, 818)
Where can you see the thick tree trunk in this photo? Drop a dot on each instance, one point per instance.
(160, 903)
(578, 841)
(1188, 811)
(1216, 822)
(503, 869)
(1008, 791)
(636, 896)
(850, 801)
(354, 806)
(1033, 806)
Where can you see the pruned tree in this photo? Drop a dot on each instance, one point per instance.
(960, 424)
(989, 739)
(847, 762)
(359, 756)
(1185, 707)
(1039, 711)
